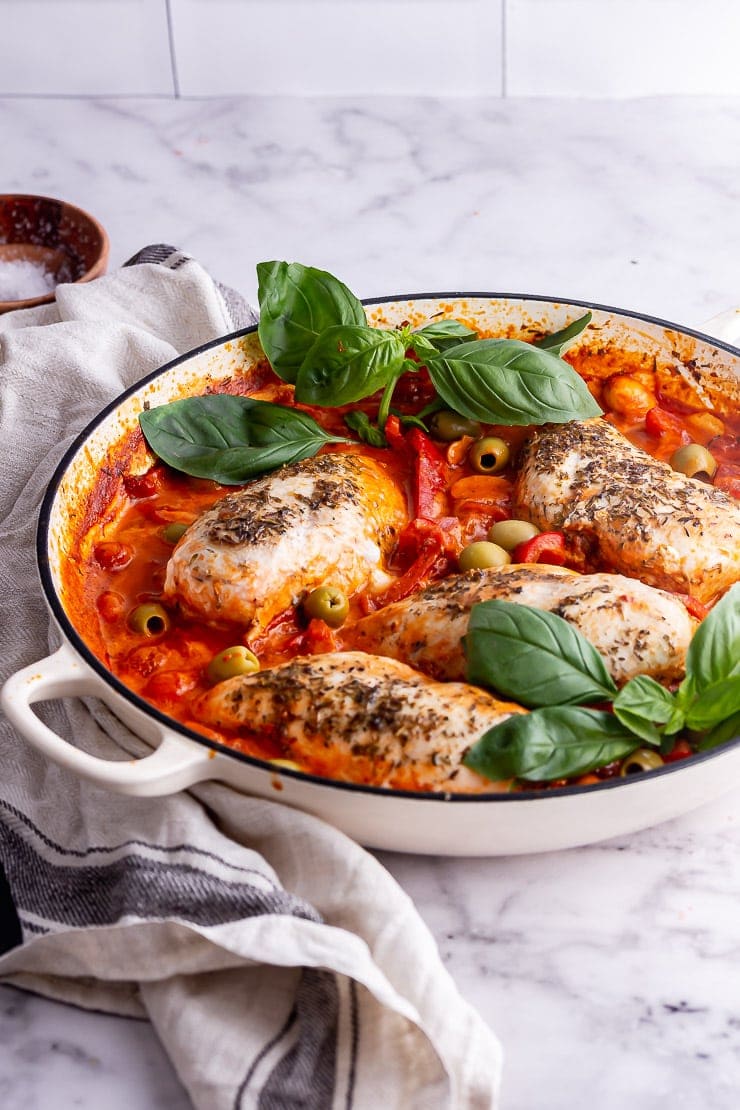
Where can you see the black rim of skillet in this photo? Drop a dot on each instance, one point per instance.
(54, 602)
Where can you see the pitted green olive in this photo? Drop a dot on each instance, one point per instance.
(489, 455)
(510, 533)
(694, 459)
(644, 759)
(149, 619)
(449, 426)
(482, 554)
(327, 603)
(231, 662)
(173, 532)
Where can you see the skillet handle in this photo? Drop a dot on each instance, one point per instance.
(176, 763)
(725, 326)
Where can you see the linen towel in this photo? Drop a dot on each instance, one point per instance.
(280, 963)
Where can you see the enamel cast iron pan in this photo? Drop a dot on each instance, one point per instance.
(484, 824)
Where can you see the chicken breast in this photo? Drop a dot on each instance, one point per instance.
(647, 520)
(327, 520)
(636, 628)
(361, 718)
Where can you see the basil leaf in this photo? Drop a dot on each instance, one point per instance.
(440, 335)
(714, 705)
(640, 704)
(714, 652)
(230, 439)
(505, 381)
(727, 730)
(348, 363)
(554, 743)
(360, 423)
(533, 656)
(297, 303)
(559, 341)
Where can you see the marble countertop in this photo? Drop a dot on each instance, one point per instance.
(611, 973)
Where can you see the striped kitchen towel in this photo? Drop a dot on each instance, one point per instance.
(279, 963)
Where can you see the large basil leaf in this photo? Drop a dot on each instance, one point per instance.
(720, 734)
(297, 303)
(347, 363)
(714, 652)
(533, 656)
(505, 381)
(554, 743)
(230, 439)
(641, 704)
(559, 341)
(714, 705)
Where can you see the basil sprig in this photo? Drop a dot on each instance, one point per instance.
(230, 439)
(540, 660)
(297, 303)
(315, 334)
(559, 341)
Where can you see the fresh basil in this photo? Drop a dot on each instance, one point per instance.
(368, 432)
(439, 336)
(230, 439)
(554, 743)
(559, 341)
(715, 704)
(641, 704)
(348, 363)
(506, 381)
(533, 656)
(297, 303)
(721, 733)
(714, 651)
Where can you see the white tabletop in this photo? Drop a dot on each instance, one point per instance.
(610, 973)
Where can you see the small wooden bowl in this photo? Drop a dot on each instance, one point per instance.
(67, 242)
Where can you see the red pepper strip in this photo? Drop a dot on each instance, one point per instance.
(433, 545)
(430, 466)
(681, 750)
(695, 607)
(430, 473)
(660, 422)
(727, 478)
(726, 449)
(548, 547)
(394, 435)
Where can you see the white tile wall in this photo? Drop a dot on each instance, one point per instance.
(572, 48)
(85, 48)
(337, 46)
(622, 47)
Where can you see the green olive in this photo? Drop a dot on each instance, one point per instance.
(510, 533)
(173, 532)
(328, 604)
(482, 554)
(449, 426)
(644, 759)
(231, 662)
(693, 459)
(489, 455)
(149, 619)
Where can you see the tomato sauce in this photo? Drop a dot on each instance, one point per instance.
(122, 559)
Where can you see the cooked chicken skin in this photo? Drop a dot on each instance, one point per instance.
(636, 628)
(327, 520)
(647, 520)
(362, 718)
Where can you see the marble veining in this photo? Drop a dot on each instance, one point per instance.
(611, 973)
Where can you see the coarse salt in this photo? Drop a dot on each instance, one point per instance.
(21, 280)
